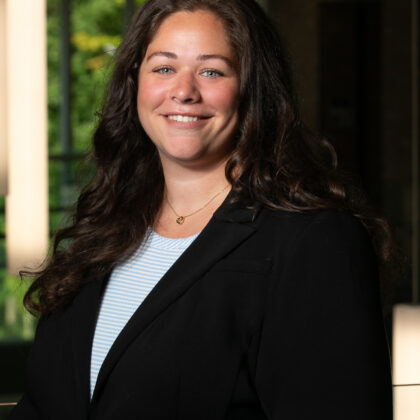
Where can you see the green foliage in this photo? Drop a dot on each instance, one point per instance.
(15, 322)
(96, 32)
(53, 48)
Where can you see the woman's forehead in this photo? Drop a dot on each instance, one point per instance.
(196, 33)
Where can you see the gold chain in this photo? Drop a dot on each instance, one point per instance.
(181, 219)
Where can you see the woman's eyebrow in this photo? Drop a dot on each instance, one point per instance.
(163, 54)
(202, 57)
(205, 57)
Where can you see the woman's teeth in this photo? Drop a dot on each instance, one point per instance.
(181, 118)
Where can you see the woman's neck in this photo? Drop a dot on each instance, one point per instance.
(191, 197)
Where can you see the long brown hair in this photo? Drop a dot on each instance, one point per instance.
(276, 161)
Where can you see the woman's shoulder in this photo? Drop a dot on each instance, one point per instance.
(325, 249)
(324, 217)
(329, 229)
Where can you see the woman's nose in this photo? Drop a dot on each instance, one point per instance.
(185, 89)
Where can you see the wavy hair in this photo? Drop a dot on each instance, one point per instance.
(276, 162)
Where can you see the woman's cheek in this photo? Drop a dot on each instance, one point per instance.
(223, 98)
(151, 93)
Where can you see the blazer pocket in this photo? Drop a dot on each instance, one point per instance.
(243, 266)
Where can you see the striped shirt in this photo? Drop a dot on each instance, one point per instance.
(129, 284)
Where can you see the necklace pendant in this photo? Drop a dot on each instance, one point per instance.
(180, 220)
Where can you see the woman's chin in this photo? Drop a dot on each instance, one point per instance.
(191, 156)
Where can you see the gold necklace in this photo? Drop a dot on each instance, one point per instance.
(181, 219)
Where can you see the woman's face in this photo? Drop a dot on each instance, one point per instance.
(188, 90)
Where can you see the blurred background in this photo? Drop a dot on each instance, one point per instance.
(355, 65)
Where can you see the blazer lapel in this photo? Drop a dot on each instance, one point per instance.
(227, 229)
(85, 307)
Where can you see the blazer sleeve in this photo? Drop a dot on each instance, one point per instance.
(322, 352)
(25, 410)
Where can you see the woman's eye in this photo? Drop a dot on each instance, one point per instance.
(211, 73)
(163, 70)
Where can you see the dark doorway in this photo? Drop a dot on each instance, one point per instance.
(350, 83)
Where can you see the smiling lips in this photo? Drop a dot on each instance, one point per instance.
(186, 118)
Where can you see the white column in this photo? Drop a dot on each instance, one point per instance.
(27, 199)
(3, 100)
(406, 361)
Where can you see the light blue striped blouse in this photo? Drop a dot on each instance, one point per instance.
(129, 284)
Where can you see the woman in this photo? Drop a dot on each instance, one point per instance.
(215, 268)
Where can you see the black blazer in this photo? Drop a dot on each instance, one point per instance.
(272, 315)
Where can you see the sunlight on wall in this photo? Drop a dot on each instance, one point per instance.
(3, 85)
(27, 199)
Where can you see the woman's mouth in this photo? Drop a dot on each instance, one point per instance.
(185, 118)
